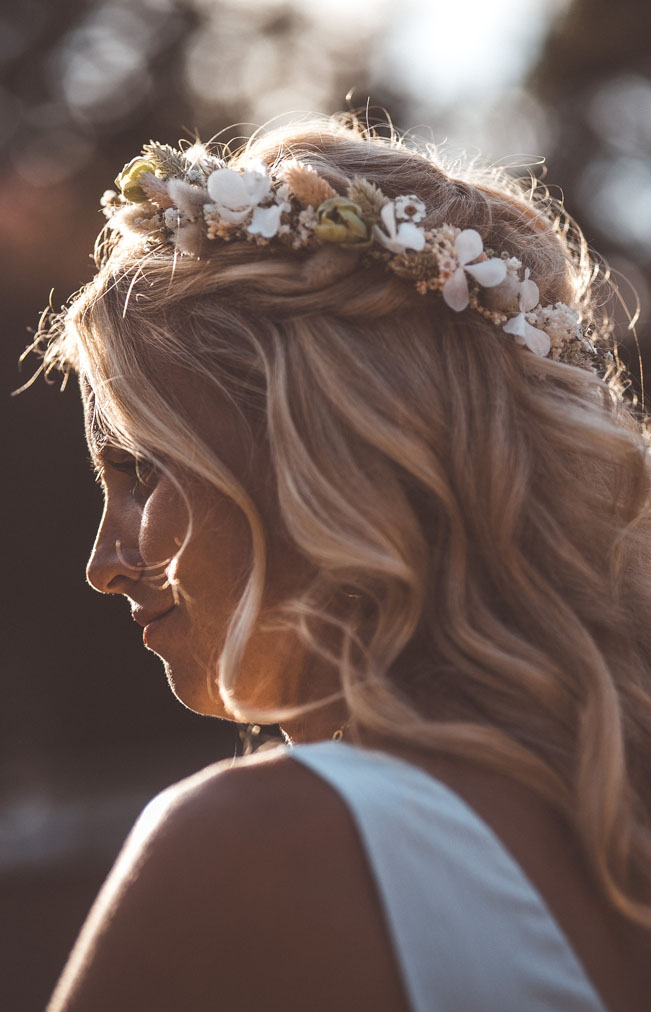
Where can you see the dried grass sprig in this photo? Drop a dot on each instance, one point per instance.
(155, 189)
(307, 186)
(367, 196)
(167, 159)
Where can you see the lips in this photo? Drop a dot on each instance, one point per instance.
(145, 618)
(151, 621)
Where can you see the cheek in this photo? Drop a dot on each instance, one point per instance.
(163, 525)
(216, 562)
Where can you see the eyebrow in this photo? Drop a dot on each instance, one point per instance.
(97, 443)
(97, 437)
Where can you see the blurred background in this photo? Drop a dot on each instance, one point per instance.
(89, 729)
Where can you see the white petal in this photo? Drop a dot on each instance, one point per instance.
(233, 217)
(411, 236)
(226, 186)
(529, 295)
(257, 181)
(516, 326)
(385, 240)
(265, 221)
(489, 272)
(455, 291)
(536, 340)
(468, 245)
(388, 216)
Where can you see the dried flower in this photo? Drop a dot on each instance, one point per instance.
(409, 208)
(200, 162)
(488, 272)
(187, 239)
(536, 340)
(128, 181)
(183, 199)
(398, 238)
(110, 202)
(155, 189)
(265, 221)
(560, 323)
(369, 197)
(307, 186)
(188, 198)
(340, 221)
(167, 160)
(134, 220)
(235, 193)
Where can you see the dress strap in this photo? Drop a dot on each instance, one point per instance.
(468, 927)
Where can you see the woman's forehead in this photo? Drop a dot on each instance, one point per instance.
(214, 418)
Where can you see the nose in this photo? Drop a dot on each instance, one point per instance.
(114, 561)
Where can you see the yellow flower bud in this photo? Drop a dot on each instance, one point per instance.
(340, 221)
(127, 181)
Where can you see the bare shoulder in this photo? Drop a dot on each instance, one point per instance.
(245, 880)
(266, 815)
(269, 794)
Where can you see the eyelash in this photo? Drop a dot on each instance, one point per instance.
(143, 470)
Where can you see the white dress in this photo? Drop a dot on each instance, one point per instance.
(470, 931)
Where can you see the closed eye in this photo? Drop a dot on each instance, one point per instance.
(114, 459)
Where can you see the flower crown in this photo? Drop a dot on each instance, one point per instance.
(184, 198)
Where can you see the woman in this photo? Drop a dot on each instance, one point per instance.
(369, 472)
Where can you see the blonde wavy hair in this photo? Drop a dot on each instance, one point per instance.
(476, 518)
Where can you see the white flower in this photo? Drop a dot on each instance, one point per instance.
(468, 246)
(265, 221)
(236, 193)
(536, 340)
(409, 207)
(398, 238)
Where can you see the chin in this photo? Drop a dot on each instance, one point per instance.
(193, 694)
